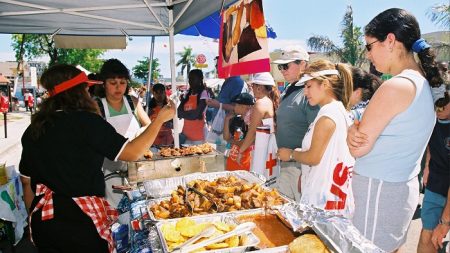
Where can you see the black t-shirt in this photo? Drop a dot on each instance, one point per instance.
(439, 177)
(68, 157)
(237, 122)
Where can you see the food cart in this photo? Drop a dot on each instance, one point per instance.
(287, 220)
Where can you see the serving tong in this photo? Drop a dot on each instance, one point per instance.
(189, 205)
(238, 230)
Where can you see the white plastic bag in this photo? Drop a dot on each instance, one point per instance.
(217, 126)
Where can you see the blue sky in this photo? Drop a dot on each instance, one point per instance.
(294, 21)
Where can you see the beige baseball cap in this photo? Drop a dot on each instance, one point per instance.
(292, 53)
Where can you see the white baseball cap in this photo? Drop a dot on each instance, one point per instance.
(263, 78)
(292, 53)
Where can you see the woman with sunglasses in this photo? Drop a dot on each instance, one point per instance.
(290, 130)
(389, 141)
(435, 213)
(61, 165)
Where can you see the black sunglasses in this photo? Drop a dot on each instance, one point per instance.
(286, 65)
(369, 46)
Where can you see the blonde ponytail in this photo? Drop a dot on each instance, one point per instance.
(347, 83)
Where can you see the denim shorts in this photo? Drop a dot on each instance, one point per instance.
(432, 207)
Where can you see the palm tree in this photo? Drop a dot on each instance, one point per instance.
(352, 50)
(187, 59)
(440, 15)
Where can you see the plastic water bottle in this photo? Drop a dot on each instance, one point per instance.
(238, 134)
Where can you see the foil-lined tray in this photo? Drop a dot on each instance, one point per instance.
(337, 232)
(251, 241)
(163, 187)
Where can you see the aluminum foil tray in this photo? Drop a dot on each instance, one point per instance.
(252, 239)
(153, 219)
(163, 187)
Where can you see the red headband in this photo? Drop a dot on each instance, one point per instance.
(79, 79)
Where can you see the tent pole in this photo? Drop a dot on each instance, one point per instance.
(176, 136)
(149, 78)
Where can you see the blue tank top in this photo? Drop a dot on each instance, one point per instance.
(397, 153)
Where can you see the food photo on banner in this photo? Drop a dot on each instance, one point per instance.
(243, 44)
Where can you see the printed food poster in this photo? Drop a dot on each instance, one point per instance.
(243, 47)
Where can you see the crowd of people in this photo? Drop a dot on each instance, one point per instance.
(348, 142)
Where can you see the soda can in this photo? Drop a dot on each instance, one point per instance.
(137, 225)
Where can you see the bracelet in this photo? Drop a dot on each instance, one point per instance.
(443, 222)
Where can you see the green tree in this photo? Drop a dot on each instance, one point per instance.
(141, 69)
(31, 46)
(352, 50)
(440, 15)
(187, 59)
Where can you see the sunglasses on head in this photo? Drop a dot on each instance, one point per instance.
(369, 46)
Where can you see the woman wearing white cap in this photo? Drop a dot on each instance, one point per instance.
(263, 112)
(325, 158)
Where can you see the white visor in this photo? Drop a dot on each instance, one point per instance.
(307, 77)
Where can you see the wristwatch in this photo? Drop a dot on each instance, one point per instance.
(443, 222)
(291, 156)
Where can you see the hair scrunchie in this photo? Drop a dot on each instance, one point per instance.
(420, 45)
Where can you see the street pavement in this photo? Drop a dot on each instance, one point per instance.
(11, 148)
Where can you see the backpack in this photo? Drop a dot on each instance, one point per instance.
(102, 109)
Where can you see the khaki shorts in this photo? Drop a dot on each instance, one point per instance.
(288, 181)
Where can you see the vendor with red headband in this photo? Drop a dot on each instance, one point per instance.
(62, 157)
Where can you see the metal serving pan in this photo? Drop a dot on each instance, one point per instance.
(163, 187)
(251, 241)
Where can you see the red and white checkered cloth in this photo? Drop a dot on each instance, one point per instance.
(98, 209)
(102, 214)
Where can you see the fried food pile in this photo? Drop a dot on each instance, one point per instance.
(148, 155)
(185, 151)
(176, 234)
(228, 193)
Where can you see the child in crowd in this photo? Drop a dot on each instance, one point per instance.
(158, 101)
(235, 129)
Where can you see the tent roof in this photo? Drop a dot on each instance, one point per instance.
(3, 79)
(103, 17)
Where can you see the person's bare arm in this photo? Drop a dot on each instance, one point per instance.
(257, 115)
(392, 98)
(441, 230)
(28, 194)
(216, 104)
(140, 113)
(226, 127)
(323, 131)
(139, 145)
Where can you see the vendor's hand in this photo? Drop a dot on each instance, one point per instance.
(356, 139)
(167, 112)
(439, 233)
(284, 154)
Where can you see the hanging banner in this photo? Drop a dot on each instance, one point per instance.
(33, 76)
(243, 44)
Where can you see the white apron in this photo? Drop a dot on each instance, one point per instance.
(126, 125)
(264, 159)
